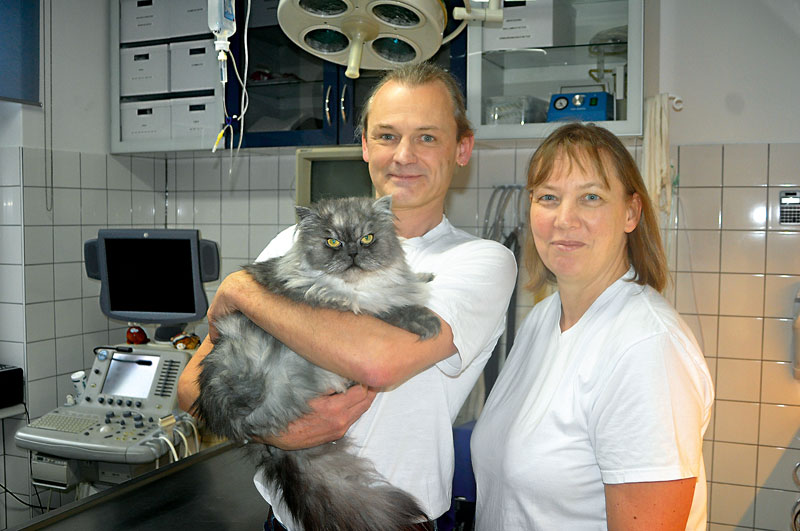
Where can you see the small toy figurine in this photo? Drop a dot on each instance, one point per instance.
(136, 335)
(185, 341)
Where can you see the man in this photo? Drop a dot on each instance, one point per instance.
(414, 135)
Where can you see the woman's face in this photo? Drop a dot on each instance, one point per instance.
(580, 225)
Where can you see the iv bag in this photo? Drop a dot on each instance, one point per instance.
(221, 18)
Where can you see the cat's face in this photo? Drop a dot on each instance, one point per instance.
(349, 236)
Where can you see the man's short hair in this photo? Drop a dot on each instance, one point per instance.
(422, 74)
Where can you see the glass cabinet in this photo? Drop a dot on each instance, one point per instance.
(292, 94)
(555, 61)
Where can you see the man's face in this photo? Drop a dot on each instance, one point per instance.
(411, 146)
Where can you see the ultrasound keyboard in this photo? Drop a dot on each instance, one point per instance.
(65, 422)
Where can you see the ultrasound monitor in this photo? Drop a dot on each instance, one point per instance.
(152, 275)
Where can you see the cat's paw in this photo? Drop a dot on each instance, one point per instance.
(425, 277)
(416, 319)
(426, 325)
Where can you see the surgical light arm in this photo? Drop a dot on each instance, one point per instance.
(493, 13)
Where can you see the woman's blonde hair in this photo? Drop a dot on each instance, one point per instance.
(587, 142)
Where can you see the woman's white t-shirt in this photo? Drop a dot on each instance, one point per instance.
(630, 404)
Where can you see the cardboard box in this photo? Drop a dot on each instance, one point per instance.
(143, 70)
(193, 65)
(537, 24)
(188, 17)
(145, 120)
(143, 20)
(200, 118)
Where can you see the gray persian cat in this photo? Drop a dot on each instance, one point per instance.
(346, 256)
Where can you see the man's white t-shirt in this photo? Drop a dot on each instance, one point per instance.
(630, 405)
(407, 432)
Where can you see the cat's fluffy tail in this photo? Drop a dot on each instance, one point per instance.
(328, 488)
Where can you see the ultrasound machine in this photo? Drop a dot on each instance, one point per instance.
(125, 417)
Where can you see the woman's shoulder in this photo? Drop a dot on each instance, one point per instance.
(644, 314)
(637, 313)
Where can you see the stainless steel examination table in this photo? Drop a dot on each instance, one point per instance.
(210, 490)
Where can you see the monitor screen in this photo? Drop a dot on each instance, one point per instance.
(130, 375)
(151, 275)
(329, 172)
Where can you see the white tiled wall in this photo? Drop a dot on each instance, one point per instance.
(737, 274)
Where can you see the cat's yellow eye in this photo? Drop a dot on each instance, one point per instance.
(368, 239)
(333, 243)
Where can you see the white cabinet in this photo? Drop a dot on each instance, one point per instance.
(583, 55)
(165, 89)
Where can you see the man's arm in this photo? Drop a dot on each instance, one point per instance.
(329, 419)
(661, 505)
(360, 347)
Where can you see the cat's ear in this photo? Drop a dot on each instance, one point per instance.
(384, 204)
(302, 212)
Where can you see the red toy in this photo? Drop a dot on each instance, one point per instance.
(136, 336)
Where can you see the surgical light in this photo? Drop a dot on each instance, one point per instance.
(370, 34)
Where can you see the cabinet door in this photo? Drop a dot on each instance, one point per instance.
(555, 61)
(292, 94)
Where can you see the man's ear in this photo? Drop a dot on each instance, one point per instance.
(364, 151)
(464, 150)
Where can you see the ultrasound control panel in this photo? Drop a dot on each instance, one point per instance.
(117, 418)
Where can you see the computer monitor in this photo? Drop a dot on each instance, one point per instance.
(152, 275)
(331, 171)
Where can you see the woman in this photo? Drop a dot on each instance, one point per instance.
(598, 416)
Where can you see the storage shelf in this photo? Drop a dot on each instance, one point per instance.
(584, 54)
(183, 111)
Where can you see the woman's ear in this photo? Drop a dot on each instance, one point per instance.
(633, 213)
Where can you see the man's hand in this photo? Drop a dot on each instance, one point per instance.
(328, 421)
(233, 290)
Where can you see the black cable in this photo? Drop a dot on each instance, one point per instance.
(22, 501)
(30, 461)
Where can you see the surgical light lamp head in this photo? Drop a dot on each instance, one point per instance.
(371, 34)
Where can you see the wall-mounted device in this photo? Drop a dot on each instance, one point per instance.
(327, 172)
(789, 207)
(581, 106)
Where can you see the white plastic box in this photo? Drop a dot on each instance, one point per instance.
(143, 70)
(143, 20)
(263, 13)
(199, 118)
(145, 120)
(193, 66)
(538, 24)
(188, 17)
